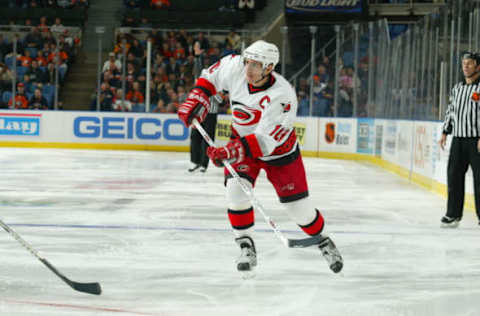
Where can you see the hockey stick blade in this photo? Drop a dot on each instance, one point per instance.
(305, 242)
(90, 288)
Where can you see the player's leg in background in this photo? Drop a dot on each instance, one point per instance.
(457, 167)
(196, 141)
(210, 125)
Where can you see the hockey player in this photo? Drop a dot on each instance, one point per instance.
(263, 106)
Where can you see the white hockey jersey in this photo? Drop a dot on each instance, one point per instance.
(268, 112)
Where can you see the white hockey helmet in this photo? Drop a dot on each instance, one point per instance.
(263, 52)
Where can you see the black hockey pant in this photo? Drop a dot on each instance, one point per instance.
(463, 152)
(198, 146)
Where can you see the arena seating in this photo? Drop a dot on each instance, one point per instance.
(69, 38)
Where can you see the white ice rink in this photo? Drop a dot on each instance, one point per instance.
(159, 241)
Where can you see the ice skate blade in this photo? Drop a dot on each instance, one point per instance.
(450, 225)
(247, 275)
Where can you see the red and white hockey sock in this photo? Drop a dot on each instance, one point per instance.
(241, 219)
(316, 226)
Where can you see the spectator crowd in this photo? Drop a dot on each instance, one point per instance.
(35, 54)
(323, 85)
(177, 58)
(38, 53)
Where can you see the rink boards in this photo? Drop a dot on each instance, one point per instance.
(408, 148)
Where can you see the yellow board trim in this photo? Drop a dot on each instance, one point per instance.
(425, 182)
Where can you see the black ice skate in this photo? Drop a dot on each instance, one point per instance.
(450, 222)
(248, 258)
(194, 168)
(331, 254)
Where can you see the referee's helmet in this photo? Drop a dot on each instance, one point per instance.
(472, 55)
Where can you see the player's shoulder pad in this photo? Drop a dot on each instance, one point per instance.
(283, 99)
(235, 59)
(228, 61)
(287, 91)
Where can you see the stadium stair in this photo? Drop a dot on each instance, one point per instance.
(76, 94)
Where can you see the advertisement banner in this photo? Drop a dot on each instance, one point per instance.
(439, 156)
(365, 135)
(224, 130)
(390, 141)
(20, 124)
(379, 127)
(404, 141)
(422, 150)
(93, 128)
(337, 135)
(112, 128)
(127, 128)
(325, 6)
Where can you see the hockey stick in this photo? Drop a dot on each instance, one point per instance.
(91, 288)
(291, 243)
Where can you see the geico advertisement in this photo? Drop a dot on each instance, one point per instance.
(145, 128)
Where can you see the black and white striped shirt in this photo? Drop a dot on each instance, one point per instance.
(463, 112)
(215, 102)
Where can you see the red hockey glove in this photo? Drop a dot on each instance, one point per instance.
(196, 106)
(233, 152)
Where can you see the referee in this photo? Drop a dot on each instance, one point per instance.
(462, 120)
(198, 146)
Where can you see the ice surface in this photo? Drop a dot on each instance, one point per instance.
(158, 240)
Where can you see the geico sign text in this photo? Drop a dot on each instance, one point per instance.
(130, 128)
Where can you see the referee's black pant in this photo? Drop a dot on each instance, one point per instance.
(463, 152)
(198, 146)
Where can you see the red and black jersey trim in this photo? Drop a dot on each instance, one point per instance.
(245, 144)
(294, 197)
(207, 92)
(287, 145)
(285, 160)
(271, 80)
(316, 226)
(241, 219)
(206, 86)
(291, 141)
(249, 142)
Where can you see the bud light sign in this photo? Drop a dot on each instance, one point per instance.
(144, 128)
(20, 124)
(325, 6)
